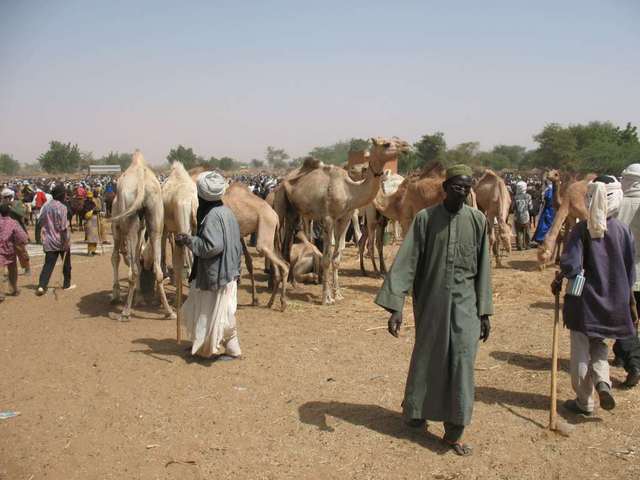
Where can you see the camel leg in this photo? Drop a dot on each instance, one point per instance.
(115, 263)
(134, 268)
(340, 230)
(361, 246)
(249, 263)
(155, 244)
(355, 221)
(327, 254)
(380, 244)
(281, 272)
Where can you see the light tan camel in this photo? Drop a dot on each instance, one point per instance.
(327, 194)
(138, 208)
(572, 208)
(376, 223)
(306, 261)
(180, 200)
(494, 201)
(254, 215)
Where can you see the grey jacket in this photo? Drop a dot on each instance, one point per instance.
(218, 249)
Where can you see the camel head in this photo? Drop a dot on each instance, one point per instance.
(553, 175)
(384, 150)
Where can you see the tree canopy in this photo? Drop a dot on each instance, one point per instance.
(338, 153)
(185, 155)
(276, 157)
(8, 164)
(116, 158)
(60, 158)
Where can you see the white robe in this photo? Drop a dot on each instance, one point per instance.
(210, 321)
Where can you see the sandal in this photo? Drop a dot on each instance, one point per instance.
(459, 448)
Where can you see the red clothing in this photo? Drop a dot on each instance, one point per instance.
(41, 199)
(11, 233)
(81, 192)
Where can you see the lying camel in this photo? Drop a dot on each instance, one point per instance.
(494, 201)
(137, 209)
(573, 207)
(254, 215)
(180, 201)
(305, 261)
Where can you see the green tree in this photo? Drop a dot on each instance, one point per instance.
(513, 153)
(255, 163)
(557, 147)
(60, 158)
(276, 157)
(8, 164)
(463, 153)
(185, 155)
(430, 148)
(358, 145)
(115, 158)
(408, 162)
(227, 163)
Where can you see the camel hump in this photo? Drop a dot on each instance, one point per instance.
(137, 159)
(310, 163)
(178, 171)
(433, 169)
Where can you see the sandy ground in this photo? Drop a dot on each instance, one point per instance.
(317, 394)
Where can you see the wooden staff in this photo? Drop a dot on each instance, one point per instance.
(553, 414)
(179, 294)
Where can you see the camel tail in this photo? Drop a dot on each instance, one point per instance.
(139, 200)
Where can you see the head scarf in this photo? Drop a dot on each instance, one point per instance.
(459, 171)
(211, 186)
(631, 180)
(521, 188)
(89, 194)
(7, 192)
(604, 195)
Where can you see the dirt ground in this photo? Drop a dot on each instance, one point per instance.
(317, 394)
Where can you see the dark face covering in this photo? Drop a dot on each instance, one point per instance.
(457, 190)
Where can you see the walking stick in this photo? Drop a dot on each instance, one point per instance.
(179, 295)
(554, 425)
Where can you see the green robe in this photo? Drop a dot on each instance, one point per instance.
(445, 260)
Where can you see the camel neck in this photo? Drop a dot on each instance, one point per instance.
(363, 193)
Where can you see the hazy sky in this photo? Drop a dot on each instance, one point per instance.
(230, 78)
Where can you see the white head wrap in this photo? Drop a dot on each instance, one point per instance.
(603, 201)
(631, 180)
(211, 186)
(521, 187)
(7, 192)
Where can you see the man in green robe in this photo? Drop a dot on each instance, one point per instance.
(445, 260)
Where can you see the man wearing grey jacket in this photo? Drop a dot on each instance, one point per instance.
(209, 312)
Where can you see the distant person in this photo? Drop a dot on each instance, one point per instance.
(210, 310)
(627, 350)
(56, 240)
(445, 261)
(547, 214)
(522, 206)
(603, 248)
(12, 235)
(91, 215)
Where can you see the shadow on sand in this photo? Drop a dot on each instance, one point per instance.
(529, 362)
(164, 349)
(375, 418)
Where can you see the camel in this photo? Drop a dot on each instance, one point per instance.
(327, 194)
(376, 223)
(254, 215)
(139, 211)
(572, 208)
(180, 201)
(305, 261)
(494, 201)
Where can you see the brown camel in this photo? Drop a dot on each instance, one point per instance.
(494, 201)
(254, 215)
(305, 261)
(572, 208)
(138, 208)
(180, 200)
(327, 194)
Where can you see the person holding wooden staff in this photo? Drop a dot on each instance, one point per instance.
(209, 312)
(600, 253)
(445, 260)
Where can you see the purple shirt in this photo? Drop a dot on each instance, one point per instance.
(603, 309)
(55, 226)
(11, 233)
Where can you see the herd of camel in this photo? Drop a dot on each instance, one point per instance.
(146, 216)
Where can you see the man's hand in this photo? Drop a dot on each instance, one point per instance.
(485, 328)
(556, 285)
(395, 321)
(183, 240)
